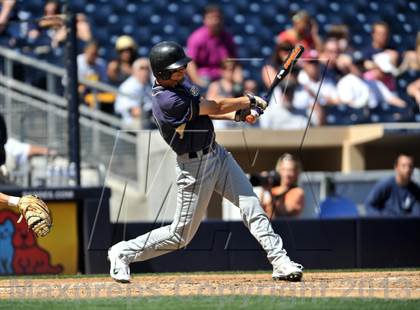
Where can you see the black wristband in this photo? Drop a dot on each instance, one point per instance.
(252, 101)
(238, 116)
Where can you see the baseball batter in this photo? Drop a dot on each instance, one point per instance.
(202, 166)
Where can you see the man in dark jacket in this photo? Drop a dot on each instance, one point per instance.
(397, 195)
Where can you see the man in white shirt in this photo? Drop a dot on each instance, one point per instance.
(358, 93)
(309, 80)
(134, 101)
(278, 114)
(352, 89)
(89, 65)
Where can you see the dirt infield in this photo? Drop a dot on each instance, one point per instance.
(383, 284)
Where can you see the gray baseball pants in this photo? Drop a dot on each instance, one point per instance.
(197, 178)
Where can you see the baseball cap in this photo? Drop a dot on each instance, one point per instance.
(384, 63)
(125, 42)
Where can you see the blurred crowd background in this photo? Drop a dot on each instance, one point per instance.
(366, 54)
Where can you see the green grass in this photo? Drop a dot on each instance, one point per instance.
(229, 302)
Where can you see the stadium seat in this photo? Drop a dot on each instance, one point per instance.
(163, 6)
(185, 13)
(78, 6)
(386, 113)
(336, 206)
(33, 6)
(268, 14)
(344, 115)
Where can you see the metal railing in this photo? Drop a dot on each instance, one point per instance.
(39, 116)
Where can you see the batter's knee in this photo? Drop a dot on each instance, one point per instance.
(250, 205)
(182, 235)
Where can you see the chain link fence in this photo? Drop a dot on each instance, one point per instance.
(39, 116)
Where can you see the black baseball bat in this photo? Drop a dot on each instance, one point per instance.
(281, 74)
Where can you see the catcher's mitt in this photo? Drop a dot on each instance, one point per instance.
(36, 214)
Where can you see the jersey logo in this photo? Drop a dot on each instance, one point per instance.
(180, 130)
(194, 91)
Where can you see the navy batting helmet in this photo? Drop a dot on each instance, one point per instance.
(166, 56)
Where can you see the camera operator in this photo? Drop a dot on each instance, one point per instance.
(281, 195)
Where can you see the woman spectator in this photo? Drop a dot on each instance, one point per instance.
(120, 69)
(270, 70)
(286, 199)
(303, 32)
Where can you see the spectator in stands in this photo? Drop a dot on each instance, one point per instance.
(41, 35)
(134, 102)
(304, 32)
(341, 34)
(309, 81)
(231, 84)
(329, 54)
(411, 61)
(413, 89)
(51, 30)
(208, 46)
(120, 69)
(251, 86)
(279, 114)
(83, 32)
(380, 42)
(397, 195)
(20, 152)
(351, 88)
(5, 13)
(90, 66)
(286, 199)
(382, 69)
(270, 70)
(357, 93)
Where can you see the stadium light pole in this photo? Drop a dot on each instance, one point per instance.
(72, 95)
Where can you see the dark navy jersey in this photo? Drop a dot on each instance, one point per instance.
(389, 198)
(176, 110)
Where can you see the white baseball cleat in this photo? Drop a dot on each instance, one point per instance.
(119, 270)
(288, 270)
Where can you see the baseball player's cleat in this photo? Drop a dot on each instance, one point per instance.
(288, 271)
(119, 270)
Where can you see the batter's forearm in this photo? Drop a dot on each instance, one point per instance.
(6, 200)
(227, 116)
(223, 106)
(228, 105)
